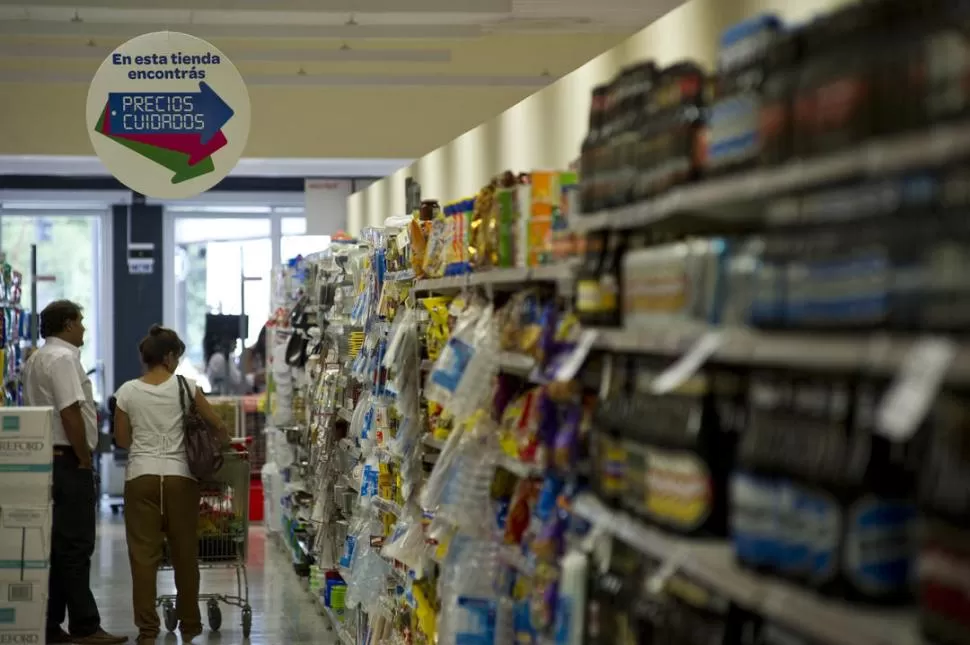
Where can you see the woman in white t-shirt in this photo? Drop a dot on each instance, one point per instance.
(161, 496)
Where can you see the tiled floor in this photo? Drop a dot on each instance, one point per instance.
(283, 614)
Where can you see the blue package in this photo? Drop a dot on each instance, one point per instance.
(475, 621)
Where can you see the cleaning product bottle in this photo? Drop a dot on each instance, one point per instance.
(571, 603)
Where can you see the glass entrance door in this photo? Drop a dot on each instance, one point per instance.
(70, 254)
(211, 257)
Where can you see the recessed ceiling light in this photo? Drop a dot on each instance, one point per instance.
(77, 17)
(345, 47)
(352, 22)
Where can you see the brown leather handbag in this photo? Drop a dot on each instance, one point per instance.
(202, 448)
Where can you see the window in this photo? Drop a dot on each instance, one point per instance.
(294, 240)
(69, 252)
(212, 255)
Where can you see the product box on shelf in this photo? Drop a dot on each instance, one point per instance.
(26, 455)
(25, 535)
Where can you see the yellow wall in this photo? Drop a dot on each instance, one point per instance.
(545, 130)
(47, 117)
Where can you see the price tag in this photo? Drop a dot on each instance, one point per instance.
(917, 383)
(688, 364)
(567, 371)
(606, 378)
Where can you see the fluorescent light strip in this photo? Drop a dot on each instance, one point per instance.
(68, 165)
(318, 80)
(338, 32)
(36, 50)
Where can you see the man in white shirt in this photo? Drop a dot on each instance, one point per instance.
(53, 376)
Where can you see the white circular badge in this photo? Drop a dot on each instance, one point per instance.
(168, 115)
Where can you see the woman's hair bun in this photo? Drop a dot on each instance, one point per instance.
(159, 344)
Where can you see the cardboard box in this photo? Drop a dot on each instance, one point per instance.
(23, 613)
(25, 537)
(26, 455)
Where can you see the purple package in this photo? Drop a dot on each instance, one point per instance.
(548, 420)
(566, 449)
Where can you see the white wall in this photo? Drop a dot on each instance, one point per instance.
(545, 130)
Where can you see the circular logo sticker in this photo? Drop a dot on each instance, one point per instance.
(168, 115)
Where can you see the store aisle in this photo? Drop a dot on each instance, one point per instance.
(282, 611)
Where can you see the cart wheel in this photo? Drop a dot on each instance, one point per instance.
(171, 620)
(247, 621)
(215, 616)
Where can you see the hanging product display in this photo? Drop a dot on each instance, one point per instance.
(710, 390)
(15, 332)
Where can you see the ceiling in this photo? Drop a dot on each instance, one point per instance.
(434, 67)
(414, 42)
(324, 18)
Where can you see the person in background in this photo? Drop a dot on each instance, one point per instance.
(254, 363)
(161, 495)
(225, 377)
(53, 376)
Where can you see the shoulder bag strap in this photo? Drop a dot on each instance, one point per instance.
(183, 389)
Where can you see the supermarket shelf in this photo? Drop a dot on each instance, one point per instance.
(879, 353)
(431, 442)
(518, 468)
(935, 146)
(338, 627)
(399, 276)
(516, 364)
(512, 277)
(712, 562)
(345, 414)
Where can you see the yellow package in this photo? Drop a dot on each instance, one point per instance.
(437, 249)
(424, 612)
(437, 333)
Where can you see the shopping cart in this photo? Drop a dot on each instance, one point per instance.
(223, 538)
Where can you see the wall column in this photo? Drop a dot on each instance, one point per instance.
(138, 297)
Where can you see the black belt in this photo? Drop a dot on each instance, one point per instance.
(65, 452)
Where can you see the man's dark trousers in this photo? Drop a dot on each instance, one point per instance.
(72, 546)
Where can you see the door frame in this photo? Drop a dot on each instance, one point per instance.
(170, 216)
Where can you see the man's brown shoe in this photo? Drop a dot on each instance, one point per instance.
(60, 637)
(99, 637)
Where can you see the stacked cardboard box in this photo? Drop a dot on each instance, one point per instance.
(26, 458)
